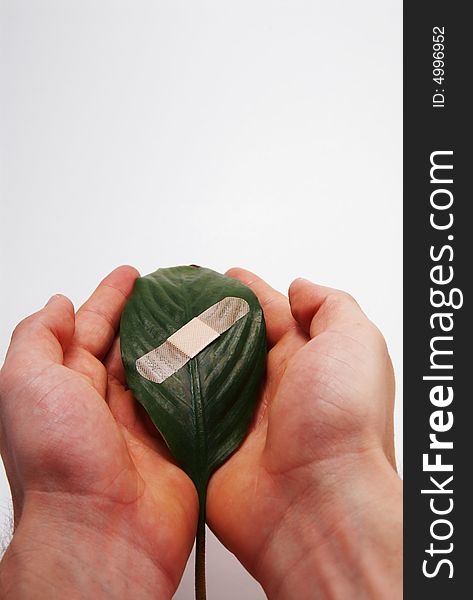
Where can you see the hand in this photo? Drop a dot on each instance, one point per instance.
(311, 502)
(100, 510)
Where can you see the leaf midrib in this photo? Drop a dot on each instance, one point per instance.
(198, 407)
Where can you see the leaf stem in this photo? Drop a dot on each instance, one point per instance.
(200, 591)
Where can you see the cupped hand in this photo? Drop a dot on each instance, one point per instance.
(100, 509)
(311, 502)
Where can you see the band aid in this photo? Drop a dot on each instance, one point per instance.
(184, 344)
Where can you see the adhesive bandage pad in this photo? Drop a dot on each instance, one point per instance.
(184, 344)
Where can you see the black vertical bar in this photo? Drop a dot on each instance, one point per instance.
(441, 123)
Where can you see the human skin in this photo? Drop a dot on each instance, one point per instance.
(100, 509)
(310, 503)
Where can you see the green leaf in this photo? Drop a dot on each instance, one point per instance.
(204, 409)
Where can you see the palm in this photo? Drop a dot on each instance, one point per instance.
(111, 453)
(317, 393)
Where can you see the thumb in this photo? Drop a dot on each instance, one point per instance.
(317, 308)
(41, 338)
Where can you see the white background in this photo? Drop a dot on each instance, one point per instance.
(264, 134)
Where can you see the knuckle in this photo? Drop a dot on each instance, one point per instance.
(23, 325)
(347, 298)
(339, 299)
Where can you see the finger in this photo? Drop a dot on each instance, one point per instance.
(45, 333)
(277, 312)
(40, 340)
(83, 362)
(134, 418)
(98, 319)
(318, 308)
(123, 406)
(113, 363)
